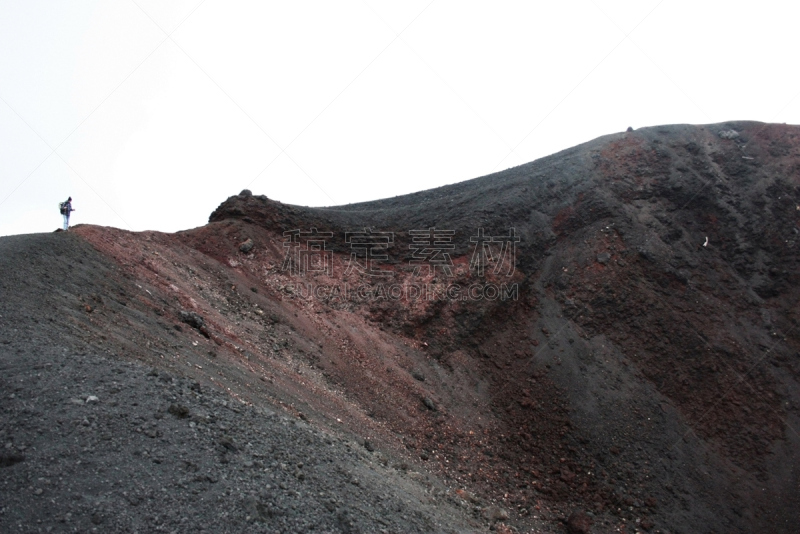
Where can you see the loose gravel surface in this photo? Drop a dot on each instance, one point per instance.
(91, 441)
(644, 378)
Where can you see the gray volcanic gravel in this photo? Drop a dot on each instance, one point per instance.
(645, 376)
(90, 442)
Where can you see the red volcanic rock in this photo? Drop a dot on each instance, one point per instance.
(658, 267)
(579, 523)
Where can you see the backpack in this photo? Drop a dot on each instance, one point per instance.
(62, 208)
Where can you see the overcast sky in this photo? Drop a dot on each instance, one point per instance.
(149, 113)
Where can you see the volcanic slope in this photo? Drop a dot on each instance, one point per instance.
(631, 362)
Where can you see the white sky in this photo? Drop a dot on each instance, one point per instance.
(149, 113)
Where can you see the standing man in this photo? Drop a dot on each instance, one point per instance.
(66, 209)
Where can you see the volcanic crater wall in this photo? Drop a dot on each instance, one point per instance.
(677, 246)
(645, 370)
